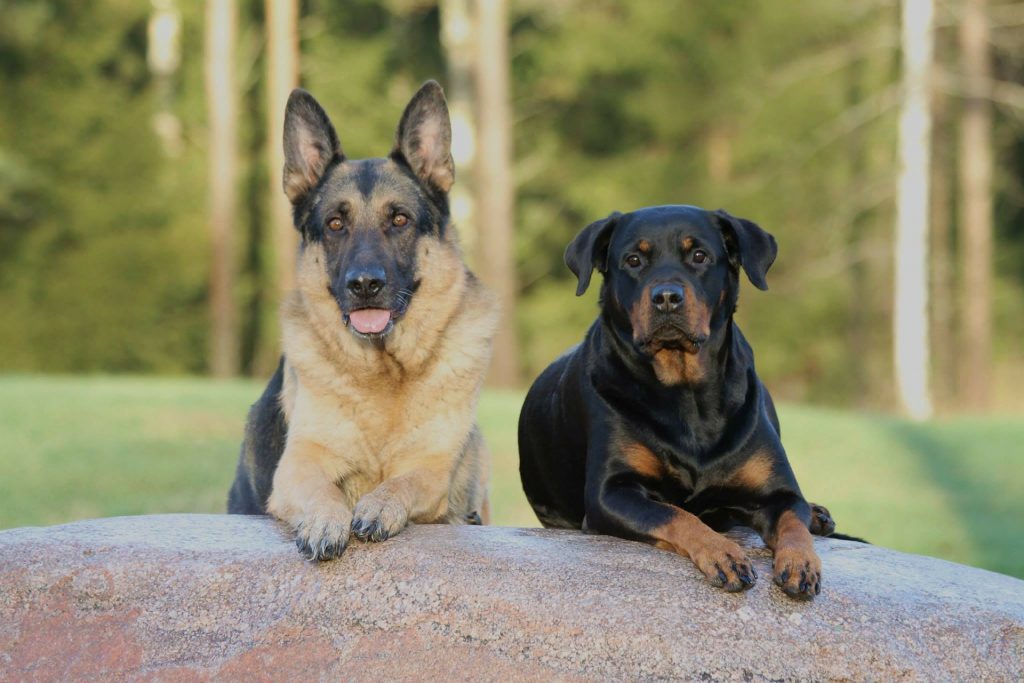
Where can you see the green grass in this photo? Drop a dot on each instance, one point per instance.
(73, 448)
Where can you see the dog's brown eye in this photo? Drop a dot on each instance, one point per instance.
(633, 261)
(335, 224)
(400, 220)
(699, 256)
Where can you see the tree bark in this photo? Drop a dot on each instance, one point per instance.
(858, 337)
(221, 29)
(282, 22)
(976, 206)
(459, 48)
(910, 313)
(496, 247)
(943, 288)
(281, 18)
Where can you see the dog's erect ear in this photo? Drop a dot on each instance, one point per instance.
(310, 144)
(751, 246)
(424, 138)
(590, 250)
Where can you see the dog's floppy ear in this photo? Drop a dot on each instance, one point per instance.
(749, 245)
(590, 250)
(424, 138)
(310, 144)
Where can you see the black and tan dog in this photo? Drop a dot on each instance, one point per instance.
(369, 422)
(656, 427)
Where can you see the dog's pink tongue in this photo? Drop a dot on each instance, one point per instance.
(370, 320)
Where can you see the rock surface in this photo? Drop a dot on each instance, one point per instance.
(208, 597)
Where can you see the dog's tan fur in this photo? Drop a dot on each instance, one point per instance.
(386, 428)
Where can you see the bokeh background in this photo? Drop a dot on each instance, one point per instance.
(144, 245)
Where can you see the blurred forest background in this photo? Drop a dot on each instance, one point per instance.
(145, 241)
(113, 113)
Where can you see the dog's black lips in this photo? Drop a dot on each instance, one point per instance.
(670, 337)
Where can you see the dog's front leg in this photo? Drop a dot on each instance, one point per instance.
(786, 530)
(624, 509)
(418, 473)
(417, 490)
(305, 496)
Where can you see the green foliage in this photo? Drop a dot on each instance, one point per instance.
(76, 448)
(104, 258)
(783, 114)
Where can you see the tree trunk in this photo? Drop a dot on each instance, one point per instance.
(910, 314)
(496, 245)
(221, 27)
(457, 39)
(943, 289)
(281, 19)
(858, 332)
(976, 206)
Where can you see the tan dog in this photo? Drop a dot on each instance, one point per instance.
(369, 422)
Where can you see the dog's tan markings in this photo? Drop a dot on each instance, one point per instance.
(797, 568)
(696, 312)
(673, 367)
(687, 243)
(669, 367)
(722, 561)
(644, 247)
(641, 459)
(754, 473)
(640, 315)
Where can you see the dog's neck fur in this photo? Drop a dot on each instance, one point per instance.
(722, 399)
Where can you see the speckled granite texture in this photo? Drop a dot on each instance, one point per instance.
(207, 597)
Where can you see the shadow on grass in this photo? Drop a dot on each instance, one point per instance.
(974, 464)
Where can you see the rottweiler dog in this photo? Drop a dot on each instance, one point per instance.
(369, 421)
(656, 427)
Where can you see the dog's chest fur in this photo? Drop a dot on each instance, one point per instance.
(374, 405)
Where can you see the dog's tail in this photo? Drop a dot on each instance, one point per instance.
(844, 537)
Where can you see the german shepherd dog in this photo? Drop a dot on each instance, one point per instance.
(656, 428)
(369, 421)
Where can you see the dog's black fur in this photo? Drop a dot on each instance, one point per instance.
(658, 418)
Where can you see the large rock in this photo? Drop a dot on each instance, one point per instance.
(205, 597)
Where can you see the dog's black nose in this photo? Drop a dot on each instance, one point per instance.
(667, 297)
(366, 282)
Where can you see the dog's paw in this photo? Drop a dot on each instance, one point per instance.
(822, 523)
(724, 564)
(378, 518)
(798, 572)
(323, 534)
